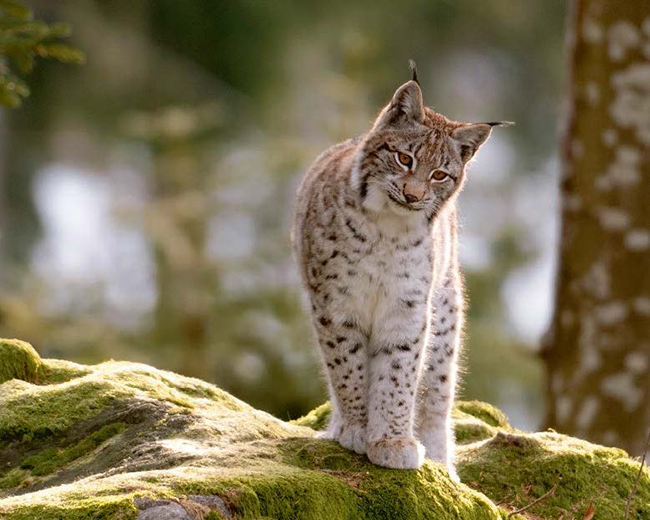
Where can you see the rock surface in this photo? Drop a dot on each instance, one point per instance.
(127, 441)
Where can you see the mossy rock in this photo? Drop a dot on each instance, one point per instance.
(18, 360)
(125, 440)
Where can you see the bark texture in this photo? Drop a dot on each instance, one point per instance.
(598, 354)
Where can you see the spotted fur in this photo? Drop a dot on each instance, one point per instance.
(375, 239)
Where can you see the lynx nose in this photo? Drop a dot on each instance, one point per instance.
(413, 193)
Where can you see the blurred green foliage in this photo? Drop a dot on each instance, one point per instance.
(22, 40)
(180, 143)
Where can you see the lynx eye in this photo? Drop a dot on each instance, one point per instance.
(439, 175)
(404, 159)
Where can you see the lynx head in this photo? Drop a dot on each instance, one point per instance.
(413, 160)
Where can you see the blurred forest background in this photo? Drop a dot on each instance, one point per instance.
(145, 196)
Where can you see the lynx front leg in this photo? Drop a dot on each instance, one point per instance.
(395, 348)
(344, 349)
(438, 381)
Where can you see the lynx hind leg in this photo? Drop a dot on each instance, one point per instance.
(438, 380)
(351, 436)
(343, 348)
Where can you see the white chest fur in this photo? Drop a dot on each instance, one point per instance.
(396, 269)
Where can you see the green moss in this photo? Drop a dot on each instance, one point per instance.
(484, 412)
(517, 468)
(472, 430)
(285, 492)
(120, 508)
(13, 479)
(383, 493)
(298, 494)
(18, 360)
(38, 412)
(43, 463)
(57, 371)
(317, 418)
(51, 459)
(84, 442)
(326, 455)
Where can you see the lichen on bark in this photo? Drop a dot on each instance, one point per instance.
(597, 353)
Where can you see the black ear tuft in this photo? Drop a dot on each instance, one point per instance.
(414, 71)
(499, 123)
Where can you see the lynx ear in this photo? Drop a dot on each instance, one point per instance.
(405, 107)
(470, 138)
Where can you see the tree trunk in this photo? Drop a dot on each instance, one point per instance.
(178, 227)
(598, 354)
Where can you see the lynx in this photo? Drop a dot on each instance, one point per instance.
(375, 237)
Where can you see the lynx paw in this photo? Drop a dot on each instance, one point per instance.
(326, 435)
(400, 453)
(351, 437)
(333, 428)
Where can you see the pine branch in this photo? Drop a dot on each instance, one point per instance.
(23, 40)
